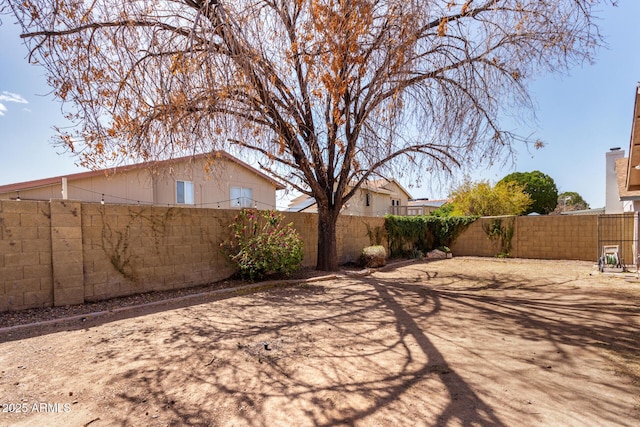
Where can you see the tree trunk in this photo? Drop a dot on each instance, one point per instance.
(327, 246)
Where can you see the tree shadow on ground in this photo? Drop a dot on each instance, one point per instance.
(359, 351)
(331, 362)
(101, 317)
(355, 351)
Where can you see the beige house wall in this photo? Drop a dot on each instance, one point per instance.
(129, 187)
(357, 205)
(379, 204)
(45, 193)
(379, 200)
(134, 186)
(397, 193)
(212, 189)
(145, 186)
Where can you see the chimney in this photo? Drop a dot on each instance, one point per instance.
(612, 196)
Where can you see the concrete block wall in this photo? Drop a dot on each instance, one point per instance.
(65, 252)
(352, 236)
(539, 237)
(306, 224)
(25, 255)
(556, 237)
(474, 241)
(132, 249)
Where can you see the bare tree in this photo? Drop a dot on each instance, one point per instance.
(323, 93)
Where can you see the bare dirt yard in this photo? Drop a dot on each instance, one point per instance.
(460, 342)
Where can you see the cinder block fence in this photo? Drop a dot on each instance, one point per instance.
(538, 237)
(66, 252)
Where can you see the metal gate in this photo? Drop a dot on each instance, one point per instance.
(619, 230)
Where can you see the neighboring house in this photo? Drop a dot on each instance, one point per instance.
(423, 206)
(595, 211)
(623, 173)
(216, 180)
(374, 198)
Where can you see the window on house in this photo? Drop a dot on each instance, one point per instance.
(184, 193)
(241, 197)
(367, 199)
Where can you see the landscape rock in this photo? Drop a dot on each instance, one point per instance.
(373, 257)
(436, 254)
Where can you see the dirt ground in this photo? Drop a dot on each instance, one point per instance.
(460, 342)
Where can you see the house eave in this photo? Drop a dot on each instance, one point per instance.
(633, 173)
(629, 198)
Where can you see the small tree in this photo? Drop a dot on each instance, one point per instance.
(443, 211)
(541, 188)
(481, 199)
(570, 201)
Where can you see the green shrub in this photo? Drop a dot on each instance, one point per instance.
(444, 210)
(260, 244)
(408, 234)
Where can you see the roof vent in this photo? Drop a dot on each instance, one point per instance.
(614, 148)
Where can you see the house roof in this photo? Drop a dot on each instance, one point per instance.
(622, 168)
(380, 186)
(299, 204)
(119, 169)
(632, 181)
(304, 201)
(427, 202)
(595, 211)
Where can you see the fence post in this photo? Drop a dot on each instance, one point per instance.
(636, 260)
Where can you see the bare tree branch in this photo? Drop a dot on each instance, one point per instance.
(324, 94)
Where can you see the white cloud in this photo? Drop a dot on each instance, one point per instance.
(10, 97)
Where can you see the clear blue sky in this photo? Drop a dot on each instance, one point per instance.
(580, 115)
